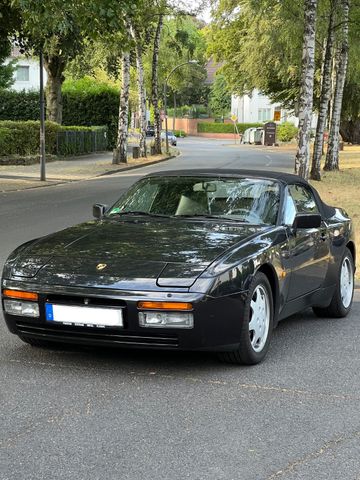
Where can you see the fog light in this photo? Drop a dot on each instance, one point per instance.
(26, 309)
(166, 319)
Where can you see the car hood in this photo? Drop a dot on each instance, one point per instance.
(171, 252)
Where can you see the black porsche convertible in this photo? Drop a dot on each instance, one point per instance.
(186, 260)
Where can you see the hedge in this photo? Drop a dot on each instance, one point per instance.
(19, 105)
(85, 103)
(23, 138)
(189, 111)
(207, 127)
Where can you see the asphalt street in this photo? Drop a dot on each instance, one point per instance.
(96, 414)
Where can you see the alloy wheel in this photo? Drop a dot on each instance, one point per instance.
(259, 318)
(346, 282)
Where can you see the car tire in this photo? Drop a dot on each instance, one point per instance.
(252, 350)
(341, 301)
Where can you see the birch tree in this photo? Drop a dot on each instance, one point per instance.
(325, 94)
(302, 160)
(120, 152)
(332, 154)
(155, 85)
(142, 90)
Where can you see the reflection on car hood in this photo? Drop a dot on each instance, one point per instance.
(171, 252)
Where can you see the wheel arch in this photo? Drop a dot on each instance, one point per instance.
(351, 246)
(268, 270)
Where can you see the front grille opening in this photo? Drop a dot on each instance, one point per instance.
(84, 300)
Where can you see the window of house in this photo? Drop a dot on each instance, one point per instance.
(22, 73)
(264, 114)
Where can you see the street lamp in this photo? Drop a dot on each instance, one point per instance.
(190, 62)
(42, 120)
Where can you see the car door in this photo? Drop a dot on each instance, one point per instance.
(308, 248)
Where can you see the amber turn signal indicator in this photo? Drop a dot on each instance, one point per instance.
(18, 294)
(165, 306)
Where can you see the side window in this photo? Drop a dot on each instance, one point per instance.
(289, 209)
(303, 199)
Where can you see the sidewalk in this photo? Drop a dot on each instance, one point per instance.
(22, 177)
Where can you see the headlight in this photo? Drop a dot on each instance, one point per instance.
(26, 309)
(166, 319)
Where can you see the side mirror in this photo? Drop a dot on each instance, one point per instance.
(307, 220)
(99, 210)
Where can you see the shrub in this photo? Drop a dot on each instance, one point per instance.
(179, 133)
(207, 127)
(286, 131)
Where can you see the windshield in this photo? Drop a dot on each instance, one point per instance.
(249, 200)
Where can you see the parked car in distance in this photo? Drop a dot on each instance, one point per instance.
(171, 137)
(150, 131)
(207, 260)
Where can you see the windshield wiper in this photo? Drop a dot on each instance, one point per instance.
(137, 212)
(214, 217)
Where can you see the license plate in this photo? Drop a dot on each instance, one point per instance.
(84, 316)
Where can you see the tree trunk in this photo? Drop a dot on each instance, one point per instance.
(324, 96)
(120, 152)
(332, 154)
(142, 93)
(302, 160)
(155, 86)
(54, 66)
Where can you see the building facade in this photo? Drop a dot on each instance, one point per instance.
(27, 71)
(258, 108)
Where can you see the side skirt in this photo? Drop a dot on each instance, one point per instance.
(319, 298)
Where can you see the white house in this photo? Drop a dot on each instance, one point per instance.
(27, 72)
(257, 107)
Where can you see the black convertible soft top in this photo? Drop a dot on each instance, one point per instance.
(287, 178)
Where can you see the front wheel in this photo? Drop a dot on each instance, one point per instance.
(341, 301)
(257, 324)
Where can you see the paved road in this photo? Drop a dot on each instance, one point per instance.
(94, 414)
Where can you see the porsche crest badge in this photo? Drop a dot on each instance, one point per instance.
(101, 266)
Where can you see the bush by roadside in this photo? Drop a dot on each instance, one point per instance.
(180, 133)
(286, 132)
(207, 127)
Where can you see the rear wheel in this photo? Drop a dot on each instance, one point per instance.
(341, 301)
(257, 325)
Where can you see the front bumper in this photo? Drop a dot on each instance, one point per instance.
(217, 321)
